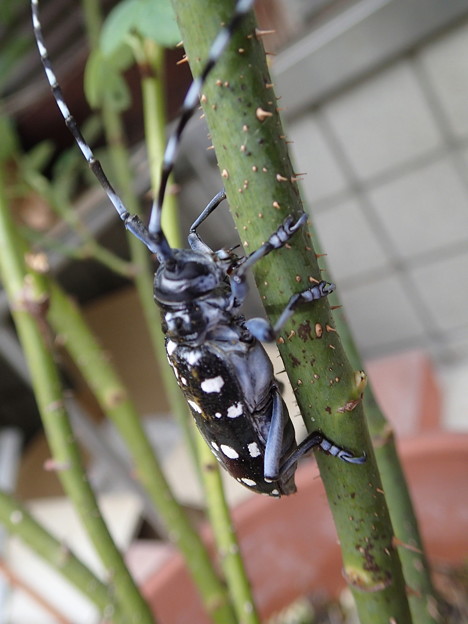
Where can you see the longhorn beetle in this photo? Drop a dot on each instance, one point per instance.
(216, 355)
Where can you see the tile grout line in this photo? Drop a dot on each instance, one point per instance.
(398, 265)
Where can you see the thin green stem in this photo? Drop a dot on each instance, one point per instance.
(28, 302)
(91, 249)
(93, 21)
(261, 188)
(150, 59)
(115, 138)
(88, 249)
(18, 521)
(57, 198)
(225, 537)
(212, 590)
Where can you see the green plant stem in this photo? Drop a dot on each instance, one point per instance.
(225, 536)
(213, 592)
(57, 197)
(423, 598)
(27, 302)
(144, 286)
(150, 59)
(139, 254)
(241, 111)
(89, 247)
(18, 521)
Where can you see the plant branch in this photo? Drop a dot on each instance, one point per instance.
(28, 301)
(241, 111)
(211, 589)
(423, 598)
(150, 59)
(18, 521)
(225, 536)
(120, 160)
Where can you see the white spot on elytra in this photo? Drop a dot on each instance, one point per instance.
(191, 357)
(275, 492)
(253, 449)
(218, 415)
(214, 445)
(229, 451)
(194, 406)
(212, 385)
(183, 381)
(234, 411)
(249, 482)
(171, 346)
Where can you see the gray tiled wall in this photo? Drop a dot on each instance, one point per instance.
(387, 184)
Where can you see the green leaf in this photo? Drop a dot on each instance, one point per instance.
(152, 19)
(65, 173)
(122, 58)
(92, 128)
(117, 26)
(39, 156)
(104, 84)
(155, 20)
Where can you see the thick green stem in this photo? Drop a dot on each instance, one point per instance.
(28, 302)
(18, 521)
(240, 107)
(422, 596)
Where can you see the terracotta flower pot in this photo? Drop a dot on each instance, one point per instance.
(285, 560)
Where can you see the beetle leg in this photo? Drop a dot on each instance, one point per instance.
(194, 239)
(315, 292)
(274, 443)
(278, 239)
(318, 439)
(265, 332)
